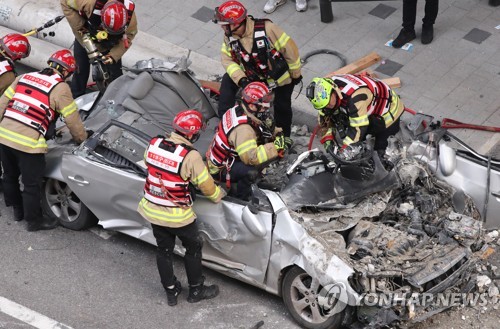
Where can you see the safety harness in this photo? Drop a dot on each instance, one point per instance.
(164, 184)
(221, 153)
(30, 104)
(264, 62)
(5, 66)
(382, 99)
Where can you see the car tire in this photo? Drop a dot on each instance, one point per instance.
(59, 202)
(296, 287)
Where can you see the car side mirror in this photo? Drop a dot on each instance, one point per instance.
(251, 221)
(447, 159)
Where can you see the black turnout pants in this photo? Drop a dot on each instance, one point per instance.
(410, 13)
(31, 167)
(82, 73)
(381, 138)
(191, 240)
(282, 102)
(243, 176)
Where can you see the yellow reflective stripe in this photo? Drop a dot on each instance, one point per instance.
(69, 109)
(392, 110)
(232, 68)
(176, 215)
(295, 65)
(225, 49)
(285, 76)
(216, 194)
(281, 42)
(9, 92)
(246, 146)
(359, 121)
(72, 4)
(201, 178)
(261, 154)
(23, 140)
(347, 141)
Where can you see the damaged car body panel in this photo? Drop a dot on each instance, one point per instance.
(411, 227)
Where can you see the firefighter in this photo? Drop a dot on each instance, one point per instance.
(245, 140)
(28, 111)
(354, 106)
(111, 25)
(257, 50)
(13, 47)
(174, 167)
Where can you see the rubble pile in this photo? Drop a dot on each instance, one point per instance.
(423, 237)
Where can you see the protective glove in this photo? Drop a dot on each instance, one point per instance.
(243, 83)
(297, 80)
(279, 143)
(349, 152)
(328, 145)
(107, 59)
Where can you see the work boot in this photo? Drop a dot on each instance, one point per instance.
(44, 224)
(201, 291)
(404, 37)
(173, 293)
(301, 5)
(494, 3)
(427, 34)
(18, 213)
(271, 5)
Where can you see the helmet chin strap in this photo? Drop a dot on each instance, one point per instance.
(228, 32)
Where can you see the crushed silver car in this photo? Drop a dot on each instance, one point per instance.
(317, 232)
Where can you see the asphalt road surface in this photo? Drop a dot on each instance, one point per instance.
(88, 279)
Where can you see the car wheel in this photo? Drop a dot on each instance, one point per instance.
(300, 295)
(60, 203)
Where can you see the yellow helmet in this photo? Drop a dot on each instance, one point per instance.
(320, 90)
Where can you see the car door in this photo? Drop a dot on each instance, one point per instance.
(237, 236)
(107, 174)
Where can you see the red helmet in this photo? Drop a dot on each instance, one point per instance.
(114, 17)
(63, 58)
(230, 12)
(16, 46)
(188, 123)
(257, 93)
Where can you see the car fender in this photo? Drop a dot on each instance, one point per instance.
(292, 245)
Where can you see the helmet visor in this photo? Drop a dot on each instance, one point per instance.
(218, 18)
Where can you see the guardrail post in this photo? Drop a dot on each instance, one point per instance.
(326, 12)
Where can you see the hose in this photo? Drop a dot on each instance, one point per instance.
(343, 60)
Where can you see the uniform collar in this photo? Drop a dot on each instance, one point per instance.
(178, 139)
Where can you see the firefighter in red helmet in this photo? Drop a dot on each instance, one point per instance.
(28, 111)
(174, 166)
(110, 24)
(257, 50)
(245, 140)
(13, 47)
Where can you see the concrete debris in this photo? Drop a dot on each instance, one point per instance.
(482, 282)
(491, 236)
(493, 291)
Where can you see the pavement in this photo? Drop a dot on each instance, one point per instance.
(457, 76)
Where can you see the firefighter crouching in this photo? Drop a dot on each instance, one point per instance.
(353, 106)
(257, 50)
(240, 149)
(173, 166)
(28, 111)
